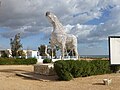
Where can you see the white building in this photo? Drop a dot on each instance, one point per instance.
(31, 53)
(6, 51)
(34, 54)
(28, 53)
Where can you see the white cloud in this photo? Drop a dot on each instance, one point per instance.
(20, 12)
(110, 27)
(28, 18)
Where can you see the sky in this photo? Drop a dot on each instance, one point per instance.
(90, 21)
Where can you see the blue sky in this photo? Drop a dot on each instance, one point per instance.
(91, 22)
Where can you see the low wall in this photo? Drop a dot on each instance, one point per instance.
(40, 59)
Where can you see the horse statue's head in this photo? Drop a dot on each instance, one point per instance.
(51, 17)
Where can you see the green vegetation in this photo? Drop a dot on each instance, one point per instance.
(4, 54)
(17, 61)
(47, 60)
(68, 69)
(115, 68)
(15, 45)
(41, 50)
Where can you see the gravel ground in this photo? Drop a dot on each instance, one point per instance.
(9, 81)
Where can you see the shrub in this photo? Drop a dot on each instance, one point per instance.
(114, 68)
(85, 68)
(17, 61)
(77, 70)
(68, 69)
(47, 60)
(99, 67)
(62, 69)
(81, 68)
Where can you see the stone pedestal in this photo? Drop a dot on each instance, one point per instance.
(44, 69)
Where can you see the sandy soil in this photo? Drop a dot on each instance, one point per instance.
(9, 81)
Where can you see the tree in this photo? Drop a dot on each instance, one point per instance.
(15, 45)
(41, 50)
(21, 53)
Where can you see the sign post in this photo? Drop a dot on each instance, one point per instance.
(114, 50)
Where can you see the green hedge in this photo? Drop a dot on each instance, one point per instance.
(47, 60)
(100, 67)
(115, 68)
(63, 69)
(17, 61)
(67, 69)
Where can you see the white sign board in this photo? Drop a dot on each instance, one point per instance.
(114, 49)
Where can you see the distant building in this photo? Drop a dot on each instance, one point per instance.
(5, 53)
(28, 53)
(34, 54)
(31, 53)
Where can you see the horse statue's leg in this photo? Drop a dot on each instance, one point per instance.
(52, 47)
(62, 51)
(76, 52)
(51, 53)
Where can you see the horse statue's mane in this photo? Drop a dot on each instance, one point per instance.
(59, 37)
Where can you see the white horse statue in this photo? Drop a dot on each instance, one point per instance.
(59, 37)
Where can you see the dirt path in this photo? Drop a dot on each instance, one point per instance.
(9, 81)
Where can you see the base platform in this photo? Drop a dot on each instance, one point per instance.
(44, 69)
(32, 75)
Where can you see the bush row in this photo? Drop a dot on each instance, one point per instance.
(17, 61)
(68, 69)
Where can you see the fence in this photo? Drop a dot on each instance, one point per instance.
(41, 58)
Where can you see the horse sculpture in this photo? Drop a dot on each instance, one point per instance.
(59, 37)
